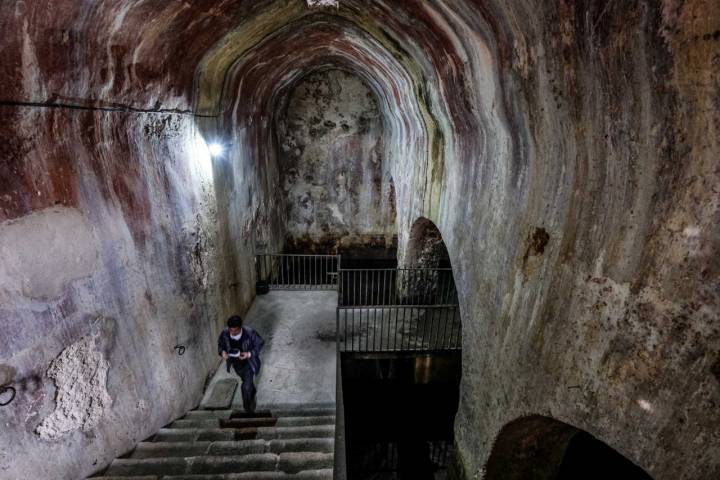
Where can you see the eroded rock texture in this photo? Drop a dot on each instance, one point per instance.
(80, 376)
(336, 186)
(596, 123)
(108, 230)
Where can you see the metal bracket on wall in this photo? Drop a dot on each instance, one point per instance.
(180, 349)
(5, 389)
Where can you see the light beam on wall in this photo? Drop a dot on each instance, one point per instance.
(201, 156)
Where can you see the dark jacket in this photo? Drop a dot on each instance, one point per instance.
(250, 341)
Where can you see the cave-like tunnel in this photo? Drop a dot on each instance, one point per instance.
(560, 158)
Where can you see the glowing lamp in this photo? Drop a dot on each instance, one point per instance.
(216, 149)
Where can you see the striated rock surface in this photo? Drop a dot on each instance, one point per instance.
(567, 151)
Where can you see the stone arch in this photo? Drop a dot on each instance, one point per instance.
(426, 250)
(426, 247)
(542, 448)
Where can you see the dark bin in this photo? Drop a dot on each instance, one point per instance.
(262, 287)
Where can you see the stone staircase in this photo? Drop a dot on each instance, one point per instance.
(288, 443)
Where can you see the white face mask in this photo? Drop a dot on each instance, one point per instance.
(236, 337)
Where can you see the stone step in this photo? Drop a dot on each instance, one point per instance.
(199, 423)
(296, 445)
(252, 422)
(286, 411)
(279, 422)
(290, 462)
(134, 477)
(323, 474)
(282, 445)
(221, 448)
(264, 413)
(230, 434)
(190, 449)
(208, 414)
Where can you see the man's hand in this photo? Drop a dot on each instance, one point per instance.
(224, 355)
(245, 355)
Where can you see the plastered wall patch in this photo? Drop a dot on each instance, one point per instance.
(80, 375)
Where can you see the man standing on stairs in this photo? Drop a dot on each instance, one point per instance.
(240, 347)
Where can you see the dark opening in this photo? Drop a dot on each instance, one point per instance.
(400, 387)
(426, 248)
(399, 414)
(588, 457)
(542, 448)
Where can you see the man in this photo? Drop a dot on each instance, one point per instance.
(240, 347)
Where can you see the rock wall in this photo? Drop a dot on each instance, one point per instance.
(336, 184)
(120, 237)
(560, 148)
(108, 260)
(567, 152)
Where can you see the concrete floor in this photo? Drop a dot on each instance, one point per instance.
(299, 357)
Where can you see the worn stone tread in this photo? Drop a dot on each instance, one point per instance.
(294, 462)
(169, 449)
(143, 477)
(226, 444)
(322, 445)
(230, 434)
(210, 423)
(192, 449)
(220, 448)
(195, 423)
(288, 412)
(208, 414)
(322, 474)
(288, 462)
(264, 413)
(278, 422)
(147, 466)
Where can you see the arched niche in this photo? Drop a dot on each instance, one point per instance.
(542, 448)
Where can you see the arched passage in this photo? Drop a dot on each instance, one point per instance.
(542, 448)
(426, 248)
(430, 278)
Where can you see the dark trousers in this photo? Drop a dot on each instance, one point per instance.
(247, 388)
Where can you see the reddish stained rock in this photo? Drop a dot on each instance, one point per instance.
(595, 120)
(33, 175)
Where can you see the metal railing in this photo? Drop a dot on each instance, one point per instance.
(298, 272)
(397, 286)
(398, 328)
(397, 309)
